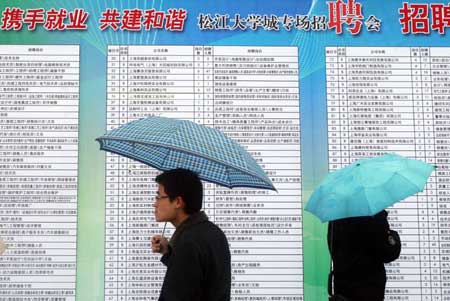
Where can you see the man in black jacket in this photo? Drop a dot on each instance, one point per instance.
(198, 255)
(355, 246)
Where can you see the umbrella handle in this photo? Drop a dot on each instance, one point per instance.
(164, 229)
(331, 275)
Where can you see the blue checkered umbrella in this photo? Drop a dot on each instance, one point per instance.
(166, 143)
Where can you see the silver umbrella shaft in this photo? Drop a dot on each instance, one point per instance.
(164, 229)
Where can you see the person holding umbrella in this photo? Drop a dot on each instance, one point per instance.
(198, 255)
(353, 200)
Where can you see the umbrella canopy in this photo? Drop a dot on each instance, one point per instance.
(368, 186)
(166, 143)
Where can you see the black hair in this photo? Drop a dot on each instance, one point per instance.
(184, 183)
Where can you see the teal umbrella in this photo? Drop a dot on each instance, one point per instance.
(368, 186)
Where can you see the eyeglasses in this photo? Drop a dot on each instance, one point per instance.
(158, 198)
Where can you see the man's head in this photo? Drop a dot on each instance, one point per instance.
(180, 191)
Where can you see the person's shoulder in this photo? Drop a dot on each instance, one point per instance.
(203, 234)
(208, 227)
(206, 231)
(382, 214)
(352, 220)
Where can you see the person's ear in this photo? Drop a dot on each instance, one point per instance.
(179, 203)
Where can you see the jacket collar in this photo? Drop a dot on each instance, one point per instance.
(193, 219)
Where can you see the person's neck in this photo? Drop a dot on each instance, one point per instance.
(180, 218)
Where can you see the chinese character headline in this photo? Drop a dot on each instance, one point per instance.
(414, 18)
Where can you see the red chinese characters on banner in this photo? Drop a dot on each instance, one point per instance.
(15, 18)
(415, 17)
(34, 17)
(77, 19)
(55, 19)
(138, 19)
(340, 13)
(440, 15)
(175, 19)
(12, 19)
(110, 19)
(132, 19)
(153, 19)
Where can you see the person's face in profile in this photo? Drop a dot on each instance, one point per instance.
(165, 209)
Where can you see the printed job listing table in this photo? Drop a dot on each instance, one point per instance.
(250, 93)
(39, 97)
(386, 99)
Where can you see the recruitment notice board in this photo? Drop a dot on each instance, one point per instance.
(252, 95)
(306, 87)
(397, 99)
(39, 95)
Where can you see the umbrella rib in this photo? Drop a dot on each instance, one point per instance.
(368, 203)
(400, 175)
(228, 176)
(181, 150)
(142, 161)
(154, 166)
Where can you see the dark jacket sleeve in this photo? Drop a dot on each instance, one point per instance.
(166, 257)
(379, 233)
(184, 276)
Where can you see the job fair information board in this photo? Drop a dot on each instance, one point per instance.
(249, 93)
(397, 99)
(307, 87)
(39, 99)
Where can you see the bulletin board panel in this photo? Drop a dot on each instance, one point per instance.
(325, 82)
